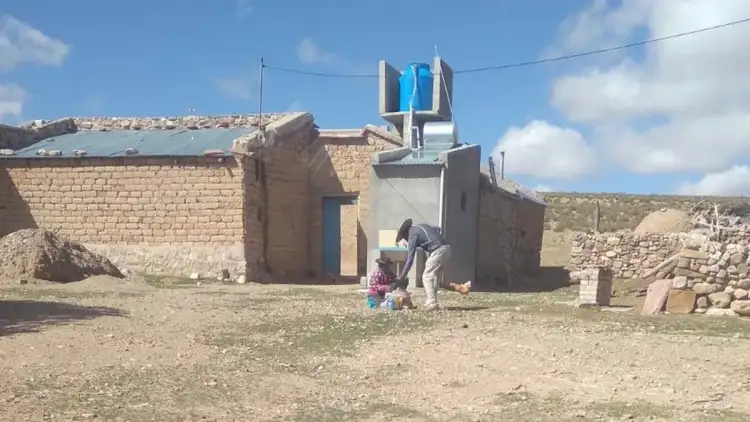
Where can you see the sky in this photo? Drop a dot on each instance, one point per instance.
(671, 117)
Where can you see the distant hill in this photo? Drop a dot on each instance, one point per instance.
(575, 211)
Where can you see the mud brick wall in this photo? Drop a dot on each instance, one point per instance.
(340, 165)
(286, 166)
(494, 246)
(175, 215)
(503, 252)
(530, 218)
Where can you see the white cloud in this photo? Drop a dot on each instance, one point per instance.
(308, 52)
(243, 9)
(544, 150)
(21, 43)
(12, 99)
(598, 26)
(543, 188)
(240, 88)
(732, 182)
(684, 106)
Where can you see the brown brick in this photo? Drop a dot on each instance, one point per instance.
(104, 200)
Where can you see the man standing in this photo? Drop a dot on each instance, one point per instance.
(429, 239)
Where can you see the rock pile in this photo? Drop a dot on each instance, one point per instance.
(43, 255)
(718, 272)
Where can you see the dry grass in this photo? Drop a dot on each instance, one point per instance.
(572, 211)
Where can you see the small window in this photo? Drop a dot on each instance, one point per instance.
(463, 201)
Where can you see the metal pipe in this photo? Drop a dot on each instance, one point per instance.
(502, 165)
(441, 205)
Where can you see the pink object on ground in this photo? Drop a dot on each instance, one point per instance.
(656, 297)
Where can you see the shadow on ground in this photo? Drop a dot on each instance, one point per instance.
(465, 308)
(546, 279)
(28, 316)
(331, 280)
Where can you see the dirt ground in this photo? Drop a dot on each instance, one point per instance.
(176, 350)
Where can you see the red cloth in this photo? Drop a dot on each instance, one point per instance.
(380, 281)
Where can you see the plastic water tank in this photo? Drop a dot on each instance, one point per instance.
(420, 76)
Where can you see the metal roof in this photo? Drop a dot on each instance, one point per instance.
(164, 143)
(420, 157)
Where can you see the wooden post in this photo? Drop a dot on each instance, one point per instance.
(260, 96)
(597, 217)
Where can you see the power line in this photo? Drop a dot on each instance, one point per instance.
(604, 50)
(527, 63)
(325, 75)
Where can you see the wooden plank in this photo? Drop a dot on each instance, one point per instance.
(349, 239)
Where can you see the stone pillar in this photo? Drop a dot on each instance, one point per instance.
(596, 287)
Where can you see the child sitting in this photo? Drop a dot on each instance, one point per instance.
(382, 278)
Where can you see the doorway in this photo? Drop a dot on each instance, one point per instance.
(340, 219)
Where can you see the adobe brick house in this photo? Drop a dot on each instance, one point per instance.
(201, 194)
(340, 162)
(152, 195)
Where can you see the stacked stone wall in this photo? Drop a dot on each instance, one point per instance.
(717, 270)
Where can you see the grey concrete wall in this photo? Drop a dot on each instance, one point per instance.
(398, 192)
(460, 223)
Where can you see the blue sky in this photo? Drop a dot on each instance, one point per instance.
(162, 58)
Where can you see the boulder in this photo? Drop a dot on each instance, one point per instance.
(740, 294)
(741, 307)
(720, 312)
(707, 288)
(680, 283)
(720, 300)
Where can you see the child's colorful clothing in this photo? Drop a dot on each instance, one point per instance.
(380, 282)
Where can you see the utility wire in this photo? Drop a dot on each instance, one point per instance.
(528, 63)
(325, 75)
(604, 50)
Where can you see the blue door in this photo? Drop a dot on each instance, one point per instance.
(332, 236)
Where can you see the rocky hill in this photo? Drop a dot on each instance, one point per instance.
(575, 211)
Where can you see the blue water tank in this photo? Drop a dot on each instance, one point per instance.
(419, 75)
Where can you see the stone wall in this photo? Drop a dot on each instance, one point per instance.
(15, 138)
(575, 211)
(176, 122)
(628, 254)
(176, 215)
(718, 271)
(340, 165)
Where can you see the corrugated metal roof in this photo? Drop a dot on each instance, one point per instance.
(513, 187)
(178, 142)
(422, 157)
